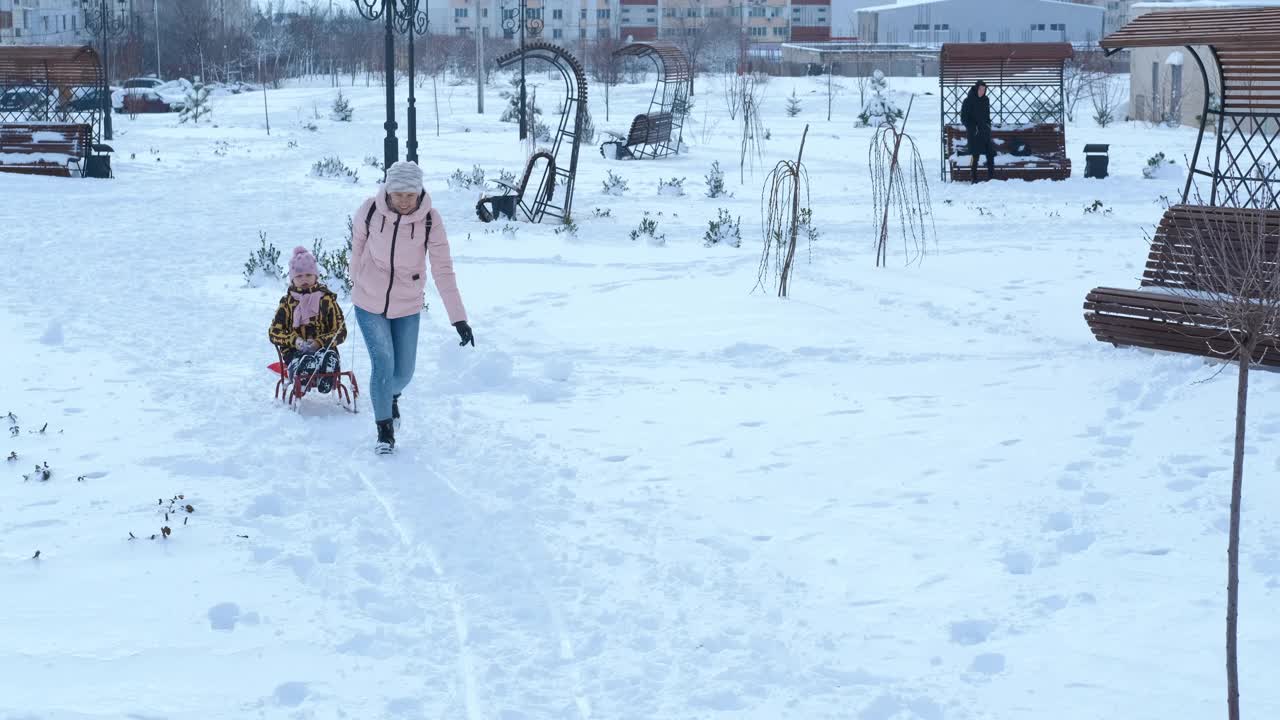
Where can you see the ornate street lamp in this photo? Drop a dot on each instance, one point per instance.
(534, 28)
(389, 12)
(412, 21)
(103, 23)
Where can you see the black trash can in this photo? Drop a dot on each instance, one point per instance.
(98, 166)
(1096, 160)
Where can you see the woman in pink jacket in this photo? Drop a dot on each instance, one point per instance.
(395, 232)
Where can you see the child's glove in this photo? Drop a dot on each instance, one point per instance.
(306, 345)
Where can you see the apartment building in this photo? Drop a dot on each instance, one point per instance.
(41, 22)
(764, 21)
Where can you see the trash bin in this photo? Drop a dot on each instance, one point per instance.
(98, 166)
(1096, 160)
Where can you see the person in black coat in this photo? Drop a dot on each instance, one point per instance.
(975, 113)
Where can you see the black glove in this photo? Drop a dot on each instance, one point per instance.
(464, 332)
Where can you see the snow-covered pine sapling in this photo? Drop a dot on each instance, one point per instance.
(648, 229)
(614, 184)
(263, 264)
(333, 167)
(723, 230)
(880, 109)
(341, 110)
(462, 180)
(715, 181)
(196, 104)
(374, 162)
(793, 104)
(671, 188)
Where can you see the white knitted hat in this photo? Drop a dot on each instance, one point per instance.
(404, 176)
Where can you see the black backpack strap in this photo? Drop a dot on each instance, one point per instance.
(368, 219)
(427, 234)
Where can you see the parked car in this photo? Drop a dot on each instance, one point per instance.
(150, 95)
(82, 99)
(35, 103)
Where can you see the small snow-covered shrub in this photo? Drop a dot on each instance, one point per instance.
(614, 184)
(715, 181)
(648, 229)
(373, 162)
(506, 177)
(335, 267)
(807, 228)
(1157, 166)
(602, 212)
(671, 188)
(541, 131)
(263, 265)
(461, 180)
(333, 167)
(569, 229)
(724, 230)
(1097, 207)
(341, 110)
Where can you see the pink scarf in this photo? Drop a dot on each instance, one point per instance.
(308, 307)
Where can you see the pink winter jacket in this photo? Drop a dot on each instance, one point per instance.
(389, 260)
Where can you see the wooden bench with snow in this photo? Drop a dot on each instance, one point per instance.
(1023, 152)
(46, 148)
(646, 129)
(1171, 310)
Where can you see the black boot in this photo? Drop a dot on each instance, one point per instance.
(386, 438)
(395, 411)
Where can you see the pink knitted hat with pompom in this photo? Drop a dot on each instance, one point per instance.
(302, 263)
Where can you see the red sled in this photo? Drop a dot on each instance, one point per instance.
(291, 390)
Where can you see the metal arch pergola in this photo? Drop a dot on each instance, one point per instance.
(1024, 82)
(670, 94)
(65, 80)
(553, 194)
(1244, 45)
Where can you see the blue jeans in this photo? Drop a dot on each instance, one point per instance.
(393, 351)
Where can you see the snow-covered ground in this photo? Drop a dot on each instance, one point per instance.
(921, 492)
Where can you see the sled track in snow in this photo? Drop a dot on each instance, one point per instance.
(466, 665)
(466, 659)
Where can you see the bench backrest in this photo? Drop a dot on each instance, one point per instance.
(1046, 140)
(72, 141)
(1211, 249)
(650, 129)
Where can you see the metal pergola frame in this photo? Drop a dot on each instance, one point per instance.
(1024, 82)
(670, 93)
(59, 78)
(1244, 44)
(553, 193)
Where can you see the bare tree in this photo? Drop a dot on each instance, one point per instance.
(1228, 265)
(783, 218)
(1080, 73)
(1106, 95)
(900, 195)
(752, 92)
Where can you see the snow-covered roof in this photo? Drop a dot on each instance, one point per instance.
(910, 3)
(1183, 4)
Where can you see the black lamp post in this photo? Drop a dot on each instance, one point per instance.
(412, 21)
(106, 25)
(388, 11)
(534, 27)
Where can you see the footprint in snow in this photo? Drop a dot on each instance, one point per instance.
(291, 694)
(1058, 522)
(988, 664)
(1018, 563)
(971, 632)
(1076, 542)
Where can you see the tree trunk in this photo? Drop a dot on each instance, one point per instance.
(1233, 543)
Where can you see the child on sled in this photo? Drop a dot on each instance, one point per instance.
(308, 326)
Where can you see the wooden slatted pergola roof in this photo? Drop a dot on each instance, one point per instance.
(1244, 43)
(670, 59)
(50, 65)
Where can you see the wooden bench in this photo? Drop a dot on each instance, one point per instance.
(1170, 311)
(647, 129)
(1023, 152)
(46, 148)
